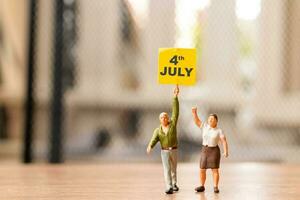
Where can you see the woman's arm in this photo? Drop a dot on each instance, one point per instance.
(197, 121)
(225, 145)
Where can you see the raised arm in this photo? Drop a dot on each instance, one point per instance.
(197, 121)
(175, 107)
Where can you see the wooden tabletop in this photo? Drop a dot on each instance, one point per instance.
(145, 181)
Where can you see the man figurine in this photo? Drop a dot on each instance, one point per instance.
(166, 134)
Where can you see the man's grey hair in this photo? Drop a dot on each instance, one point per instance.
(162, 114)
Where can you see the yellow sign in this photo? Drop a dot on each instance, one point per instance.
(177, 66)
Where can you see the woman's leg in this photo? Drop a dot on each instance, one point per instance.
(202, 176)
(216, 177)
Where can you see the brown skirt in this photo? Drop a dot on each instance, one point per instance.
(210, 157)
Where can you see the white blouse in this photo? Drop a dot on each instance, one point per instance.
(211, 136)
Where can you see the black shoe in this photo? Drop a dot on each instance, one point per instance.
(200, 189)
(216, 190)
(175, 188)
(169, 191)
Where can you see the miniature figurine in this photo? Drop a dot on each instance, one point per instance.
(210, 153)
(166, 134)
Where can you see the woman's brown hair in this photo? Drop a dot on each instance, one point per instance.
(214, 115)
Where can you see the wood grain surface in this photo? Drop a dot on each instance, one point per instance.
(145, 181)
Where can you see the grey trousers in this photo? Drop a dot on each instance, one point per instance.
(169, 161)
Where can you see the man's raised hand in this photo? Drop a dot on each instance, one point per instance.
(176, 90)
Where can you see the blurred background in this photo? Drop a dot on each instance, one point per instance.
(78, 78)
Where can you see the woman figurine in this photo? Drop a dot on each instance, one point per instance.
(210, 152)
